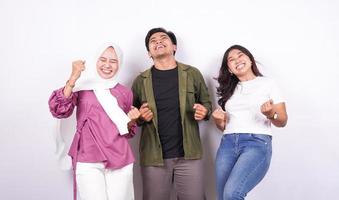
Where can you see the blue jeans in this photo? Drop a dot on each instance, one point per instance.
(241, 163)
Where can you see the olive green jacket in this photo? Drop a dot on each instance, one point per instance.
(192, 89)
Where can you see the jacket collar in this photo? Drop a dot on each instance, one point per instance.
(147, 82)
(147, 73)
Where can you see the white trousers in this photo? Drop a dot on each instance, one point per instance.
(94, 182)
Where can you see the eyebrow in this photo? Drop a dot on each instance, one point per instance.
(240, 52)
(161, 36)
(109, 59)
(231, 57)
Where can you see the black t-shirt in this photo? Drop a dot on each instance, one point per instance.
(166, 94)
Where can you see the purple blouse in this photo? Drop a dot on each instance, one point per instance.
(97, 138)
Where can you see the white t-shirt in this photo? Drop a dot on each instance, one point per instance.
(243, 108)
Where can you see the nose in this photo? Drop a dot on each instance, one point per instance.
(236, 60)
(106, 64)
(158, 42)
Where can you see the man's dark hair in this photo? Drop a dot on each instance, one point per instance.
(157, 30)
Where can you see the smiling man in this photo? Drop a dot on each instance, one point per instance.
(172, 97)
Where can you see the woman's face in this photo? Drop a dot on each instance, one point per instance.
(107, 64)
(239, 63)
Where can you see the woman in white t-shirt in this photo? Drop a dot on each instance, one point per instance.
(250, 103)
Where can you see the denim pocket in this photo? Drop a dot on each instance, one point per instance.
(266, 139)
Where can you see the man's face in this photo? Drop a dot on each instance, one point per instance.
(160, 45)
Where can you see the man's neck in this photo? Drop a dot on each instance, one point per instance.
(165, 63)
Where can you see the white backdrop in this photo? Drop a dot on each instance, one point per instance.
(296, 42)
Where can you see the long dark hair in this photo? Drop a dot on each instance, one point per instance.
(227, 81)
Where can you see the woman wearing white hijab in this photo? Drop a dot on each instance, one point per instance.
(101, 157)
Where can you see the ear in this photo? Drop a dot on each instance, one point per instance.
(175, 47)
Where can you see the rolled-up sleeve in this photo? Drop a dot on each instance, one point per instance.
(203, 95)
(61, 106)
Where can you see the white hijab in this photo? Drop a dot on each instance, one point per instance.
(91, 80)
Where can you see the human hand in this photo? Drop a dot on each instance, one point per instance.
(145, 112)
(200, 111)
(133, 114)
(267, 108)
(219, 115)
(77, 67)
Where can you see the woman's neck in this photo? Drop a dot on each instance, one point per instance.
(247, 77)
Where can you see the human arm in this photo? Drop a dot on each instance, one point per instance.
(220, 118)
(276, 113)
(146, 114)
(61, 106)
(203, 106)
(77, 67)
(133, 114)
(62, 101)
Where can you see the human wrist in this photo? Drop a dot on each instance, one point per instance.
(132, 123)
(70, 83)
(273, 116)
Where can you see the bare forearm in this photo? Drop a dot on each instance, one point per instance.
(77, 67)
(69, 87)
(281, 121)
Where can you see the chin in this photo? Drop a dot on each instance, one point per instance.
(106, 76)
